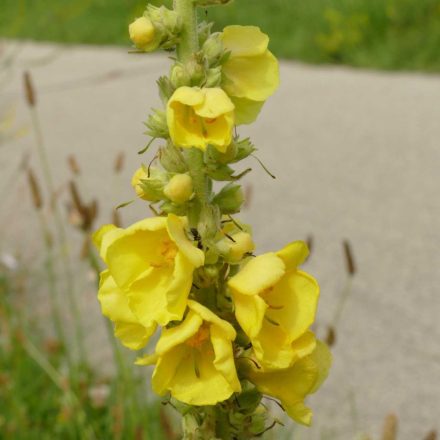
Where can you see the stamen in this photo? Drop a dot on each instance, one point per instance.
(271, 321)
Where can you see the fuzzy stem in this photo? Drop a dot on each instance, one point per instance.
(188, 44)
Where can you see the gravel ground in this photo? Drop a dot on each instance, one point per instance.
(356, 155)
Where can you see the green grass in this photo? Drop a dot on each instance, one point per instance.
(40, 398)
(384, 34)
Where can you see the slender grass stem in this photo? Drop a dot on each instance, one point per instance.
(62, 236)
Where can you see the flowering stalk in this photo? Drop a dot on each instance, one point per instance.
(234, 327)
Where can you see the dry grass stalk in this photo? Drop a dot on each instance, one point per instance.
(431, 435)
(330, 339)
(73, 165)
(119, 162)
(310, 242)
(31, 98)
(390, 427)
(349, 259)
(35, 190)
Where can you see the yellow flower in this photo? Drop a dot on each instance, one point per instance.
(293, 384)
(151, 263)
(251, 73)
(115, 305)
(200, 117)
(179, 189)
(275, 304)
(142, 33)
(194, 360)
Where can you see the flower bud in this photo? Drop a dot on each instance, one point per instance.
(171, 160)
(195, 71)
(235, 246)
(148, 187)
(213, 49)
(229, 199)
(157, 124)
(179, 189)
(142, 33)
(213, 77)
(179, 76)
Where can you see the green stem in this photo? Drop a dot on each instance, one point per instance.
(55, 307)
(189, 43)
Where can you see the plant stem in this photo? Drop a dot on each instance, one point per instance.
(189, 43)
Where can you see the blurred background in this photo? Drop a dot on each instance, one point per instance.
(352, 137)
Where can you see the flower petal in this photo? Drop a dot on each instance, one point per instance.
(249, 311)
(294, 254)
(254, 78)
(215, 104)
(246, 110)
(114, 305)
(258, 274)
(293, 303)
(175, 227)
(172, 337)
(129, 253)
(293, 384)
(244, 40)
(227, 330)
(224, 358)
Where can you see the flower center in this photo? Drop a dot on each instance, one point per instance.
(168, 251)
(199, 338)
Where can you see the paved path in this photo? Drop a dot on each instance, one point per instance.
(357, 156)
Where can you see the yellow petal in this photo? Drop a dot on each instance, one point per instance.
(129, 253)
(227, 330)
(249, 311)
(244, 40)
(166, 368)
(178, 335)
(294, 254)
(133, 335)
(254, 78)
(258, 275)
(246, 110)
(293, 303)
(215, 104)
(224, 358)
(196, 380)
(98, 236)
(293, 384)
(161, 295)
(190, 96)
(148, 359)
(114, 305)
(176, 230)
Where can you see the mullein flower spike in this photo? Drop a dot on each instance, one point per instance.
(234, 327)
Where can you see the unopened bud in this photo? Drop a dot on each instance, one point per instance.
(195, 71)
(229, 199)
(234, 247)
(213, 77)
(179, 189)
(179, 76)
(142, 33)
(148, 187)
(157, 125)
(213, 49)
(172, 160)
